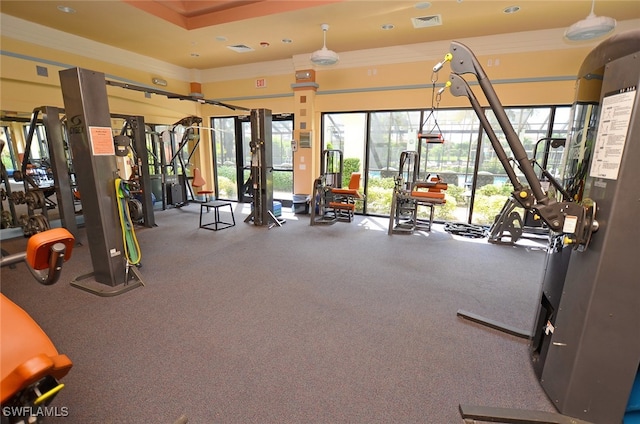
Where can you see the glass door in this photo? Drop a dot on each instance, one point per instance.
(232, 156)
(225, 159)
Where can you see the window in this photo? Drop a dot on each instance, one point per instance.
(474, 193)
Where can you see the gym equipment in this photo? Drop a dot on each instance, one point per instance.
(129, 239)
(46, 251)
(509, 222)
(217, 223)
(260, 184)
(31, 365)
(585, 344)
(198, 183)
(178, 191)
(91, 140)
(409, 194)
(37, 189)
(141, 203)
(329, 201)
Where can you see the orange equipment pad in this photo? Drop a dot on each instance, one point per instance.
(39, 247)
(339, 205)
(431, 185)
(346, 192)
(428, 195)
(27, 352)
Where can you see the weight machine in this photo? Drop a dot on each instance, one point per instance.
(58, 181)
(176, 188)
(585, 344)
(61, 178)
(409, 194)
(260, 184)
(410, 191)
(133, 163)
(31, 365)
(330, 202)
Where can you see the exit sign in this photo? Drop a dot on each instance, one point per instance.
(261, 83)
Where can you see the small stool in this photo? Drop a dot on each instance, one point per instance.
(217, 224)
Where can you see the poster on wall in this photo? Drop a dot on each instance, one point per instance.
(612, 133)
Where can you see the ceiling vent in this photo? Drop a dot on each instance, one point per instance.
(426, 21)
(240, 48)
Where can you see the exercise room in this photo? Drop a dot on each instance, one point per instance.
(342, 211)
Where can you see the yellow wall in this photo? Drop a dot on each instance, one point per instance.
(520, 79)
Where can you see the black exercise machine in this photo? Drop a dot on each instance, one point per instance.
(330, 202)
(585, 344)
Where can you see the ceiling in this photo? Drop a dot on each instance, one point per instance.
(197, 34)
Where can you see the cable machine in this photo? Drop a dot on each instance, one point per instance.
(261, 183)
(175, 175)
(509, 223)
(585, 344)
(133, 138)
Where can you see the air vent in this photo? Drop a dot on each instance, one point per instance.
(240, 48)
(426, 21)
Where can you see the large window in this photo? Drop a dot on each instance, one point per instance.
(347, 132)
(478, 185)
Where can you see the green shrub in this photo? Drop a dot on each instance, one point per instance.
(226, 188)
(379, 200)
(349, 166)
(485, 208)
(283, 181)
(227, 171)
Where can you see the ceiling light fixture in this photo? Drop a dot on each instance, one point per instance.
(511, 9)
(66, 9)
(591, 27)
(324, 56)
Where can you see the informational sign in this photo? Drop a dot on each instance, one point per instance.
(101, 141)
(612, 133)
(261, 83)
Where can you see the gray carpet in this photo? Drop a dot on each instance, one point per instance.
(299, 324)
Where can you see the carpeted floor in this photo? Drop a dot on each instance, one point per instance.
(298, 324)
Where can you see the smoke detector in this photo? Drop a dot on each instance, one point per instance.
(324, 56)
(591, 27)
